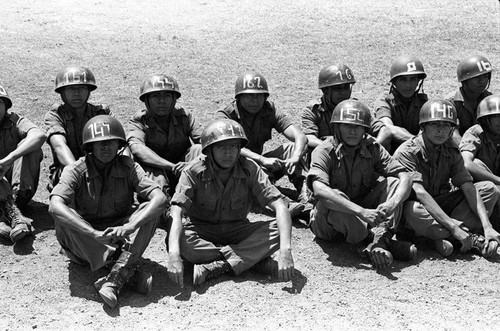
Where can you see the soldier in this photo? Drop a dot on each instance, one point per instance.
(64, 122)
(335, 82)
(435, 211)
(353, 200)
(92, 206)
(209, 213)
(161, 137)
(474, 73)
(20, 156)
(258, 117)
(399, 108)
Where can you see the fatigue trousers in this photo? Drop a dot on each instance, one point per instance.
(84, 249)
(166, 179)
(326, 224)
(24, 175)
(284, 152)
(454, 204)
(242, 243)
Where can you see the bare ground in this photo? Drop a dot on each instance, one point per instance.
(205, 45)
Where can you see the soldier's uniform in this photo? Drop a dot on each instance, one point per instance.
(466, 113)
(486, 151)
(357, 178)
(103, 203)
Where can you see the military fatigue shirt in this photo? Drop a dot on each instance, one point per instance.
(61, 120)
(356, 174)
(433, 166)
(391, 105)
(172, 144)
(13, 129)
(101, 201)
(466, 113)
(479, 143)
(258, 132)
(202, 194)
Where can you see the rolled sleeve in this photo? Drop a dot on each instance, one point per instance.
(321, 162)
(470, 142)
(381, 107)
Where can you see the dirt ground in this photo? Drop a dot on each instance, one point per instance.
(205, 45)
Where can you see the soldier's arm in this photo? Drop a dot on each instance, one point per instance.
(144, 154)
(33, 142)
(478, 173)
(61, 149)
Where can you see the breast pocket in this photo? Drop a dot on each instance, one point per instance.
(87, 205)
(338, 181)
(370, 180)
(208, 202)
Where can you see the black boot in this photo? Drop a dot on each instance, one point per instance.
(119, 275)
(203, 272)
(21, 225)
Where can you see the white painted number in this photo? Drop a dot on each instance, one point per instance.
(99, 129)
(251, 82)
(445, 111)
(350, 114)
(162, 82)
(74, 76)
(483, 66)
(411, 66)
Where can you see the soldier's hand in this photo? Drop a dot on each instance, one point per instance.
(175, 269)
(290, 165)
(464, 238)
(272, 163)
(286, 269)
(178, 167)
(119, 233)
(372, 216)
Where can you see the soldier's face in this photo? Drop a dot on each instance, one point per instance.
(252, 103)
(2, 109)
(406, 85)
(105, 151)
(351, 134)
(438, 132)
(161, 103)
(495, 123)
(76, 95)
(337, 93)
(225, 153)
(477, 84)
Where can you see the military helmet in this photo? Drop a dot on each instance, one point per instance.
(351, 112)
(405, 66)
(438, 110)
(251, 82)
(221, 130)
(473, 66)
(335, 74)
(5, 96)
(489, 106)
(102, 127)
(75, 76)
(158, 82)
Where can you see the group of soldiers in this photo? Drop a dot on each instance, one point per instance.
(376, 178)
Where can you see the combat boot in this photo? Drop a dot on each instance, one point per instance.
(21, 225)
(203, 272)
(141, 281)
(119, 275)
(5, 228)
(479, 245)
